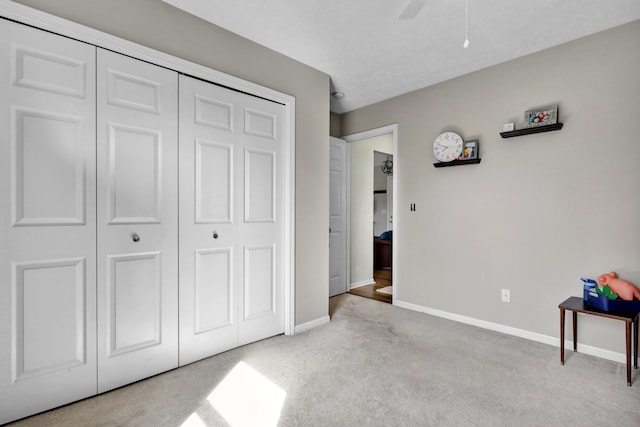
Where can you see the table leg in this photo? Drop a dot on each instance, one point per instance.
(635, 343)
(628, 336)
(562, 336)
(575, 331)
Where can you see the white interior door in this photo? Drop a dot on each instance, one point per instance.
(137, 220)
(338, 217)
(231, 219)
(47, 221)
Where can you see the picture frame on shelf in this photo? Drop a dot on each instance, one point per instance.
(541, 116)
(470, 150)
(508, 127)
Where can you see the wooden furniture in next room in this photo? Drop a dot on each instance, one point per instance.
(382, 249)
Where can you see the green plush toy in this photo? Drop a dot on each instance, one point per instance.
(606, 291)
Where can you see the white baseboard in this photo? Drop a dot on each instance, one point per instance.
(362, 283)
(312, 324)
(521, 333)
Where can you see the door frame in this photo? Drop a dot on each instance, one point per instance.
(45, 21)
(390, 201)
(384, 130)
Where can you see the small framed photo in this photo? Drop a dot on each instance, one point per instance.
(470, 150)
(541, 116)
(507, 127)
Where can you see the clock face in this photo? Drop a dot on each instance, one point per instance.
(447, 146)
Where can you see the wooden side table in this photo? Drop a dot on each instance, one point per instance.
(578, 305)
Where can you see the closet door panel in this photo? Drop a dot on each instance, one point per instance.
(137, 220)
(134, 175)
(47, 221)
(213, 182)
(231, 202)
(49, 173)
(259, 281)
(134, 297)
(208, 256)
(260, 191)
(261, 228)
(37, 286)
(213, 290)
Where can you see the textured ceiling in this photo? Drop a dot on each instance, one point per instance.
(371, 55)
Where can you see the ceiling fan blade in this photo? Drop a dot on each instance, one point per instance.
(412, 9)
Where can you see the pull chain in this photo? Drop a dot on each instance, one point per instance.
(466, 24)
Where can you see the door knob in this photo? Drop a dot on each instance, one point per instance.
(135, 237)
(215, 234)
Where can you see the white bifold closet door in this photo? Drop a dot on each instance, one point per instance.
(137, 217)
(231, 219)
(91, 297)
(47, 221)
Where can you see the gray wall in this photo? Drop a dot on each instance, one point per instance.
(335, 123)
(540, 210)
(155, 24)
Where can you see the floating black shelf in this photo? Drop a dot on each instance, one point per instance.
(456, 163)
(528, 131)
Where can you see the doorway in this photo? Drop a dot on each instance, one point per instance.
(365, 275)
(380, 176)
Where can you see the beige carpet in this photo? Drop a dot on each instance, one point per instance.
(374, 365)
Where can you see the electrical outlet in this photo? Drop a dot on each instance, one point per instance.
(506, 295)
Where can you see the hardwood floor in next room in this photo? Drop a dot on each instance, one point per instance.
(382, 279)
